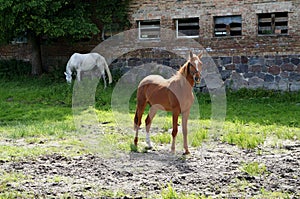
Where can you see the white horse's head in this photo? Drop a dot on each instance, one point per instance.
(68, 77)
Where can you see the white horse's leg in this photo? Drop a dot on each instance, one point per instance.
(78, 75)
(103, 77)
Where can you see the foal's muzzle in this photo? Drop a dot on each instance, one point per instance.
(197, 79)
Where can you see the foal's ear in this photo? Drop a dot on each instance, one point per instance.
(200, 54)
(191, 55)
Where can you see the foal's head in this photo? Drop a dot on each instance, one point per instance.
(195, 66)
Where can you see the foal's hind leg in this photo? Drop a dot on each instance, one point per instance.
(148, 122)
(174, 130)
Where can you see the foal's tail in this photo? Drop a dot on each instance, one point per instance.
(108, 72)
(140, 107)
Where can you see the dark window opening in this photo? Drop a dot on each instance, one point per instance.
(228, 26)
(188, 27)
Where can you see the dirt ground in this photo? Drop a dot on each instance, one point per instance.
(213, 170)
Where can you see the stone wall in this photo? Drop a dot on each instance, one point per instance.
(268, 72)
(280, 72)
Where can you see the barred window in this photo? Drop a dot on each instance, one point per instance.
(187, 28)
(273, 23)
(149, 29)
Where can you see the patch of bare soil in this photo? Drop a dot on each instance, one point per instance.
(212, 170)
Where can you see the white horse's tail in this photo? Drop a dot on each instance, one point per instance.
(108, 72)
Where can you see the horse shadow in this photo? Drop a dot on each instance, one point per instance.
(163, 158)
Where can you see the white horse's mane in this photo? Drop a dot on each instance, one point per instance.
(86, 62)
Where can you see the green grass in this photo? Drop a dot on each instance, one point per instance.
(264, 107)
(38, 107)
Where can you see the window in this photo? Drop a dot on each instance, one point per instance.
(228, 26)
(273, 23)
(187, 28)
(149, 30)
(20, 40)
(110, 30)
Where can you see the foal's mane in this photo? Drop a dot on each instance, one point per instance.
(184, 69)
(182, 74)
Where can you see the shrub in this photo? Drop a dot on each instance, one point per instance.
(14, 68)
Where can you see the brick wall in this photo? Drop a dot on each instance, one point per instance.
(53, 55)
(249, 43)
(17, 51)
(57, 54)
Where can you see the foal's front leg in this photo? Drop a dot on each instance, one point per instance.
(185, 117)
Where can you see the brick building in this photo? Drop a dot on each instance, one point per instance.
(254, 27)
(254, 43)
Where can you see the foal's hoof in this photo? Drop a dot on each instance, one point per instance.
(186, 153)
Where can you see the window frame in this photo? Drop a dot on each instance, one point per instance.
(148, 27)
(228, 30)
(270, 18)
(22, 39)
(182, 35)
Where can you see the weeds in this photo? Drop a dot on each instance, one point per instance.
(244, 140)
(198, 137)
(168, 192)
(162, 138)
(254, 168)
(272, 194)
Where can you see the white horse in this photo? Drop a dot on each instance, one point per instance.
(86, 62)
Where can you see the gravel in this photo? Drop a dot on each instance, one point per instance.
(214, 169)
